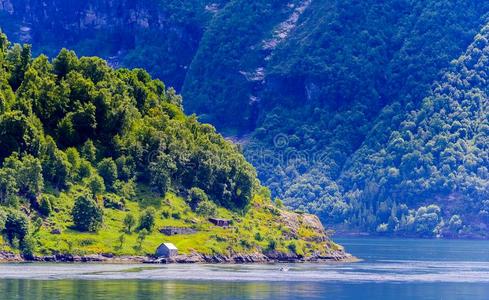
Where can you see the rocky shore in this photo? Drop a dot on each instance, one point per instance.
(270, 257)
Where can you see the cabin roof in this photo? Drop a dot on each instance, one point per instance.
(169, 246)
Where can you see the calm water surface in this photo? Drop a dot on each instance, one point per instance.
(398, 269)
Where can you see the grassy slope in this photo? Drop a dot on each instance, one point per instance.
(262, 218)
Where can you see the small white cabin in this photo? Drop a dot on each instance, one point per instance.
(166, 250)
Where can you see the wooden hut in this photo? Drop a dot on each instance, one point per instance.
(166, 250)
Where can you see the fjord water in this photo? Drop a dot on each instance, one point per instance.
(398, 269)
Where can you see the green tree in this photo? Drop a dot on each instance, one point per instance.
(89, 151)
(16, 226)
(3, 218)
(147, 220)
(455, 223)
(19, 134)
(8, 186)
(140, 239)
(108, 170)
(45, 205)
(206, 208)
(87, 214)
(196, 196)
(55, 164)
(129, 222)
(65, 62)
(29, 176)
(161, 171)
(19, 58)
(96, 184)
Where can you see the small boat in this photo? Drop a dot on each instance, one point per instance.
(284, 269)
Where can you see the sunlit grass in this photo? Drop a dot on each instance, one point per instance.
(251, 232)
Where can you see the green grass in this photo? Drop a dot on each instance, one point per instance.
(241, 237)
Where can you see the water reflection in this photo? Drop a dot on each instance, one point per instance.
(143, 290)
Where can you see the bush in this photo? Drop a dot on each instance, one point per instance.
(140, 239)
(196, 196)
(16, 226)
(245, 243)
(45, 207)
(96, 184)
(129, 222)
(206, 208)
(455, 223)
(272, 245)
(89, 151)
(113, 202)
(28, 246)
(87, 214)
(258, 237)
(147, 220)
(176, 215)
(108, 170)
(279, 203)
(165, 214)
(292, 247)
(125, 189)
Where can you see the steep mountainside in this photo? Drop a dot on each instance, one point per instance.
(160, 36)
(328, 97)
(436, 154)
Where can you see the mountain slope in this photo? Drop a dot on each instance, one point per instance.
(160, 36)
(313, 89)
(437, 154)
(325, 92)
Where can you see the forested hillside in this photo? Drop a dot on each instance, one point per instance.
(330, 99)
(95, 160)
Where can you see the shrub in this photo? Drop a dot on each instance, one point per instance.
(165, 214)
(16, 226)
(245, 243)
(125, 189)
(196, 196)
(108, 170)
(3, 218)
(455, 223)
(129, 222)
(279, 203)
(96, 184)
(140, 239)
(272, 245)
(45, 207)
(147, 220)
(292, 247)
(87, 214)
(258, 237)
(113, 201)
(85, 170)
(207, 208)
(89, 151)
(176, 215)
(28, 246)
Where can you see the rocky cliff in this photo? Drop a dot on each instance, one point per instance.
(161, 36)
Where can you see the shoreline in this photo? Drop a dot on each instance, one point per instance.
(194, 258)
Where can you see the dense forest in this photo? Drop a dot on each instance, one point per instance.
(329, 90)
(371, 114)
(98, 160)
